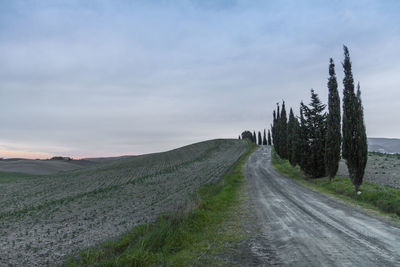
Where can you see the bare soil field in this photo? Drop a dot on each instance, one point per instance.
(45, 218)
(381, 169)
(30, 166)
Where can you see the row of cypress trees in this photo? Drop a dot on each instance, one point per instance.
(314, 140)
(253, 137)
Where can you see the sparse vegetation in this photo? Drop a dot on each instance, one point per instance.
(380, 197)
(176, 239)
(92, 204)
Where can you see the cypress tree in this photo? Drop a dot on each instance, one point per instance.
(293, 139)
(277, 134)
(354, 147)
(259, 138)
(276, 130)
(283, 147)
(254, 137)
(315, 127)
(303, 143)
(269, 138)
(361, 143)
(333, 135)
(247, 135)
(296, 152)
(273, 126)
(265, 138)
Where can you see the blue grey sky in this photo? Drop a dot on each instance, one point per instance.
(104, 78)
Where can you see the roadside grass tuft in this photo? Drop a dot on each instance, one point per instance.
(379, 197)
(177, 239)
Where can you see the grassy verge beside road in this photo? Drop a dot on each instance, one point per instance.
(374, 196)
(178, 239)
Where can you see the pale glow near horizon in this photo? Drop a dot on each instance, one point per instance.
(103, 78)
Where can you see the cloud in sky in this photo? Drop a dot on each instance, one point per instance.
(93, 78)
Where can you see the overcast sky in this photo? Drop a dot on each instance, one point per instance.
(105, 78)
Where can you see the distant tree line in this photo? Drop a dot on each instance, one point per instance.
(257, 139)
(314, 139)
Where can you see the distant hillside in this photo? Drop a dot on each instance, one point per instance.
(384, 145)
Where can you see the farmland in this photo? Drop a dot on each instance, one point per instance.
(47, 217)
(381, 168)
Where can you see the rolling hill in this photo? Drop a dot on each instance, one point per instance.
(384, 145)
(44, 218)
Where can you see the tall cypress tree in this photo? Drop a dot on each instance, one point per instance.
(361, 139)
(269, 138)
(304, 140)
(277, 133)
(292, 138)
(276, 130)
(259, 138)
(354, 147)
(273, 125)
(283, 133)
(265, 138)
(315, 130)
(333, 135)
(254, 137)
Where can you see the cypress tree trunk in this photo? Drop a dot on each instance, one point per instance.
(333, 135)
(354, 147)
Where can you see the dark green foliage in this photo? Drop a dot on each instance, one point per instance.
(269, 138)
(314, 132)
(303, 144)
(239, 137)
(283, 146)
(254, 137)
(333, 135)
(275, 129)
(259, 138)
(293, 141)
(264, 142)
(248, 135)
(354, 147)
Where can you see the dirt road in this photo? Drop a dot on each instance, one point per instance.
(301, 227)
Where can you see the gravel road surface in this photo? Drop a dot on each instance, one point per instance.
(301, 227)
